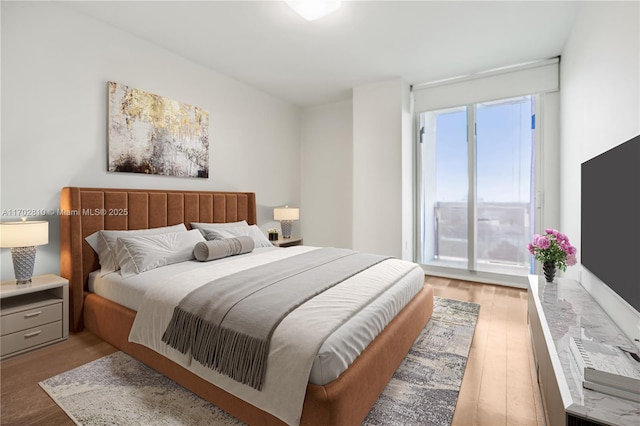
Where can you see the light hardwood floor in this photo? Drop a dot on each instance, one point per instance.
(498, 388)
(499, 385)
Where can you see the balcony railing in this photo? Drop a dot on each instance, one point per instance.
(503, 232)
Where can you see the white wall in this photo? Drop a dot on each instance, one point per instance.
(377, 167)
(55, 67)
(327, 175)
(600, 77)
(357, 171)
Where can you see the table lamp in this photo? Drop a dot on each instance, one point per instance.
(286, 215)
(22, 238)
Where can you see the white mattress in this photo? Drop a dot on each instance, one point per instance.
(335, 355)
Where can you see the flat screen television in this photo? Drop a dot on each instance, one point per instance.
(610, 230)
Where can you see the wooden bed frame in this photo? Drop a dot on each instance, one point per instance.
(345, 401)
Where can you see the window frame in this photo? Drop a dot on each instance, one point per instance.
(470, 272)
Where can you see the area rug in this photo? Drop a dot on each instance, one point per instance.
(118, 390)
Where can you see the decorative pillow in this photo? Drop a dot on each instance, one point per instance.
(143, 253)
(104, 243)
(259, 239)
(217, 249)
(206, 227)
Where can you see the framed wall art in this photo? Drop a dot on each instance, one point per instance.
(154, 135)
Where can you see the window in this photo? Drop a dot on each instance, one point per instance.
(476, 186)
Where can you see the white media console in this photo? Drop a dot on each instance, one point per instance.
(558, 311)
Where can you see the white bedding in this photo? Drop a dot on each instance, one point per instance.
(334, 356)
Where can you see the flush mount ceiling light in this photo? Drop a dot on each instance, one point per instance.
(313, 9)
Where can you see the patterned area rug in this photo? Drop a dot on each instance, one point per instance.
(118, 390)
(424, 390)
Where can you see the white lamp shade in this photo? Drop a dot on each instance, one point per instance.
(286, 213)
(313, 9)
(23, 234)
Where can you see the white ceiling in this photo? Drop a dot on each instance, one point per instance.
(267, 45)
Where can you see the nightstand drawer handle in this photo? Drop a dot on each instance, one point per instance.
(33, 333)
(32, 314)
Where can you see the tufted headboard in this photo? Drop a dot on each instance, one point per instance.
(87, 210)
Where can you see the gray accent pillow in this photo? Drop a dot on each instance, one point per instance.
(141, 253)
(217, 249)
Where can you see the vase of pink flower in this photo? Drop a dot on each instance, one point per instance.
(553, 250)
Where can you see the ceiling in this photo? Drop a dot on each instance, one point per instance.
(267, 45)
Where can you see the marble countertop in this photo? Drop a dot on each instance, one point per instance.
(567, 310)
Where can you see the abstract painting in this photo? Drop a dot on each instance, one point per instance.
(154, 135)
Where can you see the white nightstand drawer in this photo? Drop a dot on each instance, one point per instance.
(30, 318)
(29, 338)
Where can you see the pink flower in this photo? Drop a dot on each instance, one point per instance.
(550, 231)
(571, 259)
(531, 248)
(543, 242)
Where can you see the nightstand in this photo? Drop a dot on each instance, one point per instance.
(33, 315)
(287, 242)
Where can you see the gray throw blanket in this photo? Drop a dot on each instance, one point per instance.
(227, 324)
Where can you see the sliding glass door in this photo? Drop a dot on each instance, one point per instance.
(476, 186)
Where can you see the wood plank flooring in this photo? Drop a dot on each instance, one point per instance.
(499, 386)
(22, 401)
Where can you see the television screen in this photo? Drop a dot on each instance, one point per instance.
(610, 234)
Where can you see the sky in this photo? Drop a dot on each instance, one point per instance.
(503, 153)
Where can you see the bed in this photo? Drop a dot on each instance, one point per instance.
(344, 401)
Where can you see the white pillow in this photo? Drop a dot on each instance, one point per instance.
(206, 227)
(143, 253)
(104, 243)
(238, 231)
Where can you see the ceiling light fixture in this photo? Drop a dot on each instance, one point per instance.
(313, 9)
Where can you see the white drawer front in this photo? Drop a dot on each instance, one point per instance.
(28, 338)
(24, 320)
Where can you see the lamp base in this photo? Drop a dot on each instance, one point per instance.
(23, 260)
(286, 228)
